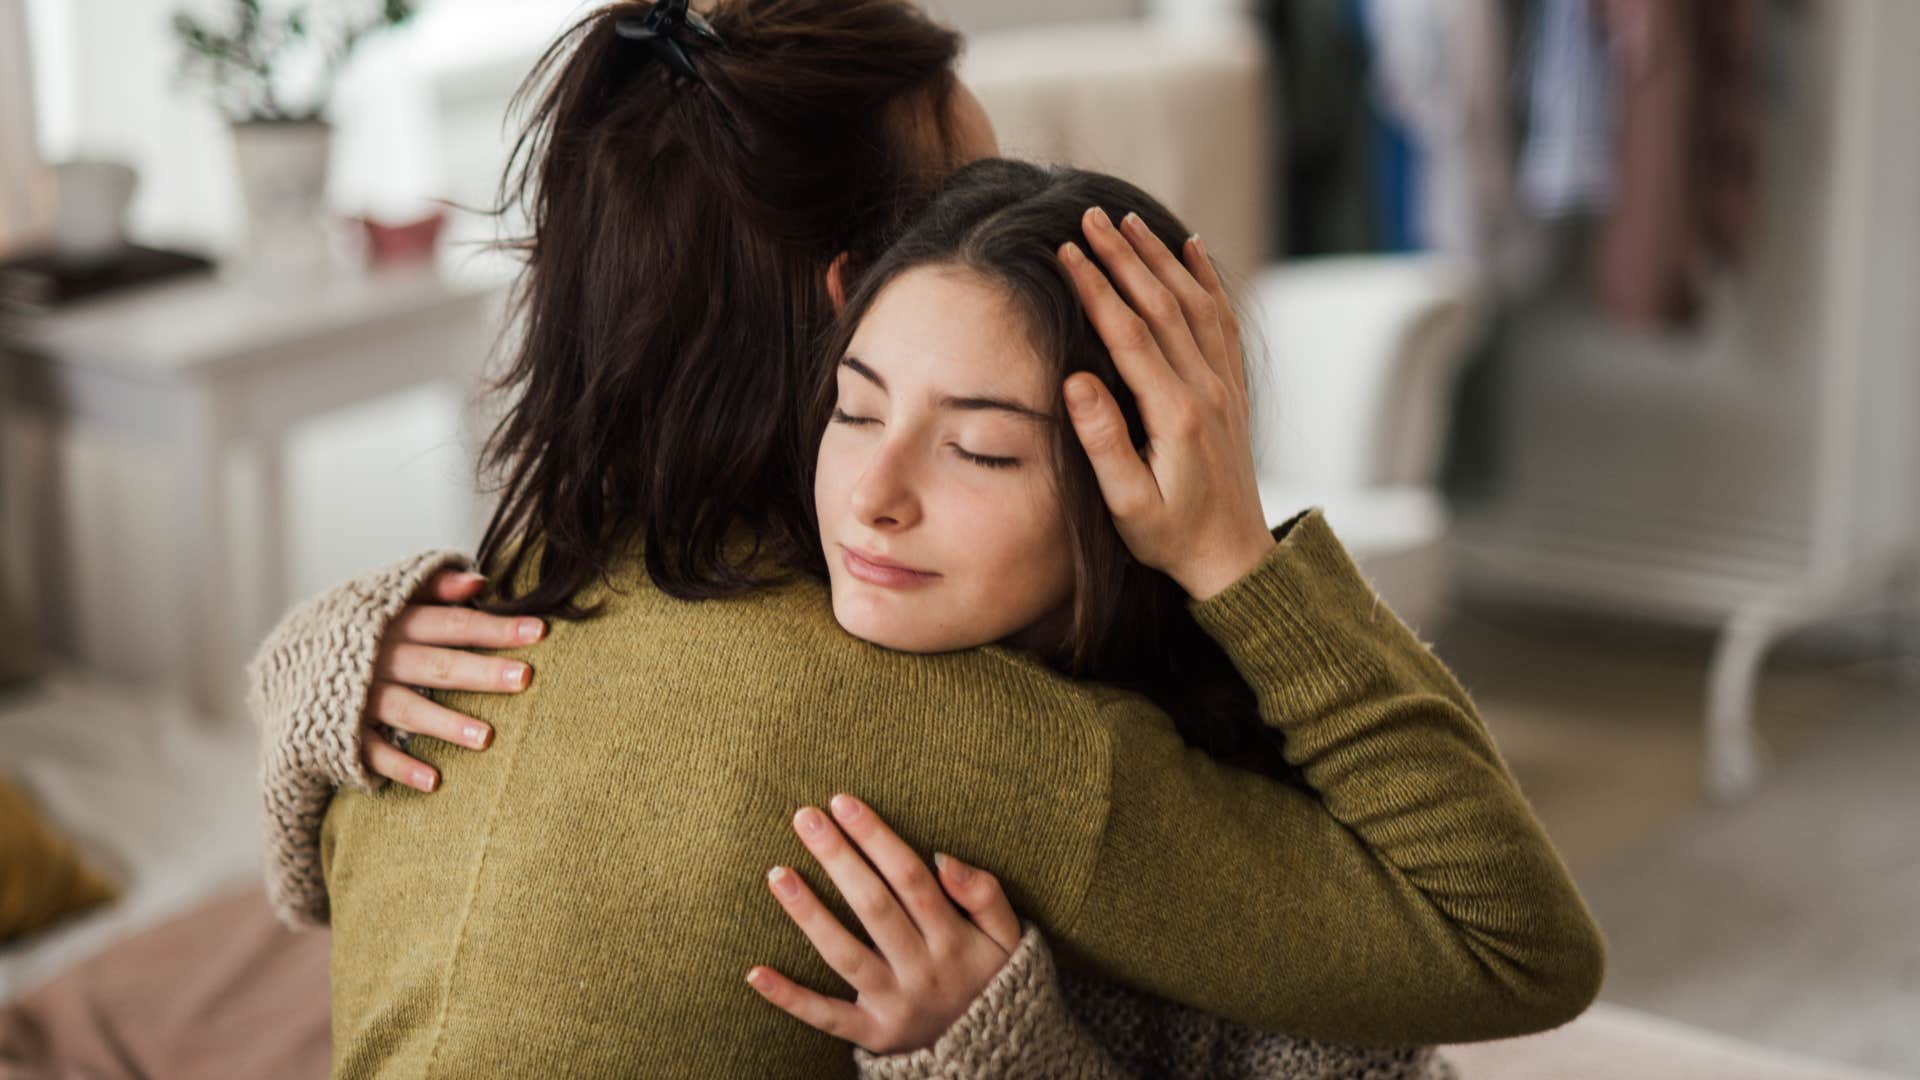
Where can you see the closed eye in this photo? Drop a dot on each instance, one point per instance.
(841, 416)
(985, 460)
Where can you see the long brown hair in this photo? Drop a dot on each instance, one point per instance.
(1005, 220)
(674, 295)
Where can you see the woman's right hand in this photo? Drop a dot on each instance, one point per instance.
(1190, 506)
(426, 646)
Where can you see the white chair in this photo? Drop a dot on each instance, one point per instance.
(1351, 409)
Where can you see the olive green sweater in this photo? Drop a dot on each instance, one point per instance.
(585, 897)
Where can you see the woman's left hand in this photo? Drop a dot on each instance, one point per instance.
(933, 958)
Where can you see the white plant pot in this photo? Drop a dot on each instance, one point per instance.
(283, 180)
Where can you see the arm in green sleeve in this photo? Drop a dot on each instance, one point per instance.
(1409, 897)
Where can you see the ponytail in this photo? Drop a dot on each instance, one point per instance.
(679, 230)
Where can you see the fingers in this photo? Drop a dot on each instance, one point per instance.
(905, 872)
(979, 894)
(450, 669)
(399, 706)
(840, 1019)
(869, 897)
(439, 624)
(1126, 482)
(451, 587)
(1197, 304)
(843, 952)
(1150, 297)
(1126, 335)
(385, 760)
(1234, 369)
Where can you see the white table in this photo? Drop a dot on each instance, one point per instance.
(203, 366)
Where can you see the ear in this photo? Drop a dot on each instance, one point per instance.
(837, 281)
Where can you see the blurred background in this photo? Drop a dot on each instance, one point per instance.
(1592, 324)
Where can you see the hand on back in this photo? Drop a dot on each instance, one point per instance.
(930, 958)
(428, 647)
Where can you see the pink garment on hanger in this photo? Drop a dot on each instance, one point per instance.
(1686, 189)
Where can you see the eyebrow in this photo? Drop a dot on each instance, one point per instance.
(970, 403)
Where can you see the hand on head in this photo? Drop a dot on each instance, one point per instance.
(1188, 506)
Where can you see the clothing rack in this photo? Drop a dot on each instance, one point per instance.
(1757, 477)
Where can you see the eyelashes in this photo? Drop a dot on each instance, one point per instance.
(840, 416)
(988, 462)
(985, 461)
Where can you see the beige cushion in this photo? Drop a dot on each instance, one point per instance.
(42, 879)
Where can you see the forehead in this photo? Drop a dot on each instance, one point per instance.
(951, 330)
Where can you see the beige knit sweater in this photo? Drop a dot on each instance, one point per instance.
(308, 686)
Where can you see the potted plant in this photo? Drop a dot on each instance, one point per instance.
(271, 68)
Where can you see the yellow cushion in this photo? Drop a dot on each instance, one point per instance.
(42, 879)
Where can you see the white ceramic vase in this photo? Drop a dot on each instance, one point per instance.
(283, 180)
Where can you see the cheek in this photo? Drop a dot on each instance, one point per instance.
(832, 470)
(1018, 538)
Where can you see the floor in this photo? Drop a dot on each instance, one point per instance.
(1791, 919)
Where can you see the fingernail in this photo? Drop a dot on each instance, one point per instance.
(478, 735)
(952, 867)
(810, 821)
(473, 579)
(515, 676)
(1132, 221)
(529, 629)
(1101, 219)
(1071, 254)
(425, 780)
(1199, 245)
(783, 882)
(1079, 396)
(846, 807)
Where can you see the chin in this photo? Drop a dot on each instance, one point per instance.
(869, 615)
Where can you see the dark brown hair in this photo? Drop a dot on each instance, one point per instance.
(674, 294)
(1005, 220)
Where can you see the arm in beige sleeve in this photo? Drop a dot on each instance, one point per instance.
(1032, 1021)
(1408, 896)
(1018, 1026)
(307, 690)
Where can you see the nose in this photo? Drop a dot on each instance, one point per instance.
(885, 497)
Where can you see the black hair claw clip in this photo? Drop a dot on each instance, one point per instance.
(666, 30)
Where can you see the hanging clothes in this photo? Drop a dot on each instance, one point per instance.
(1440, 78)
(1567, 165)
(1322, 152)
(1688, 149)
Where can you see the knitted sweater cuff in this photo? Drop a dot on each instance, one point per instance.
(307, 689)
(1019, 1025)
(1290, 619)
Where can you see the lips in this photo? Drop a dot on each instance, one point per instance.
(875, 570)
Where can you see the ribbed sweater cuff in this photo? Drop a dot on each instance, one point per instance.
(1290, 619)
(307, 689)
(1018, 1026)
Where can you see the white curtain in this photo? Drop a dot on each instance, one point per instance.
(26, 193)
